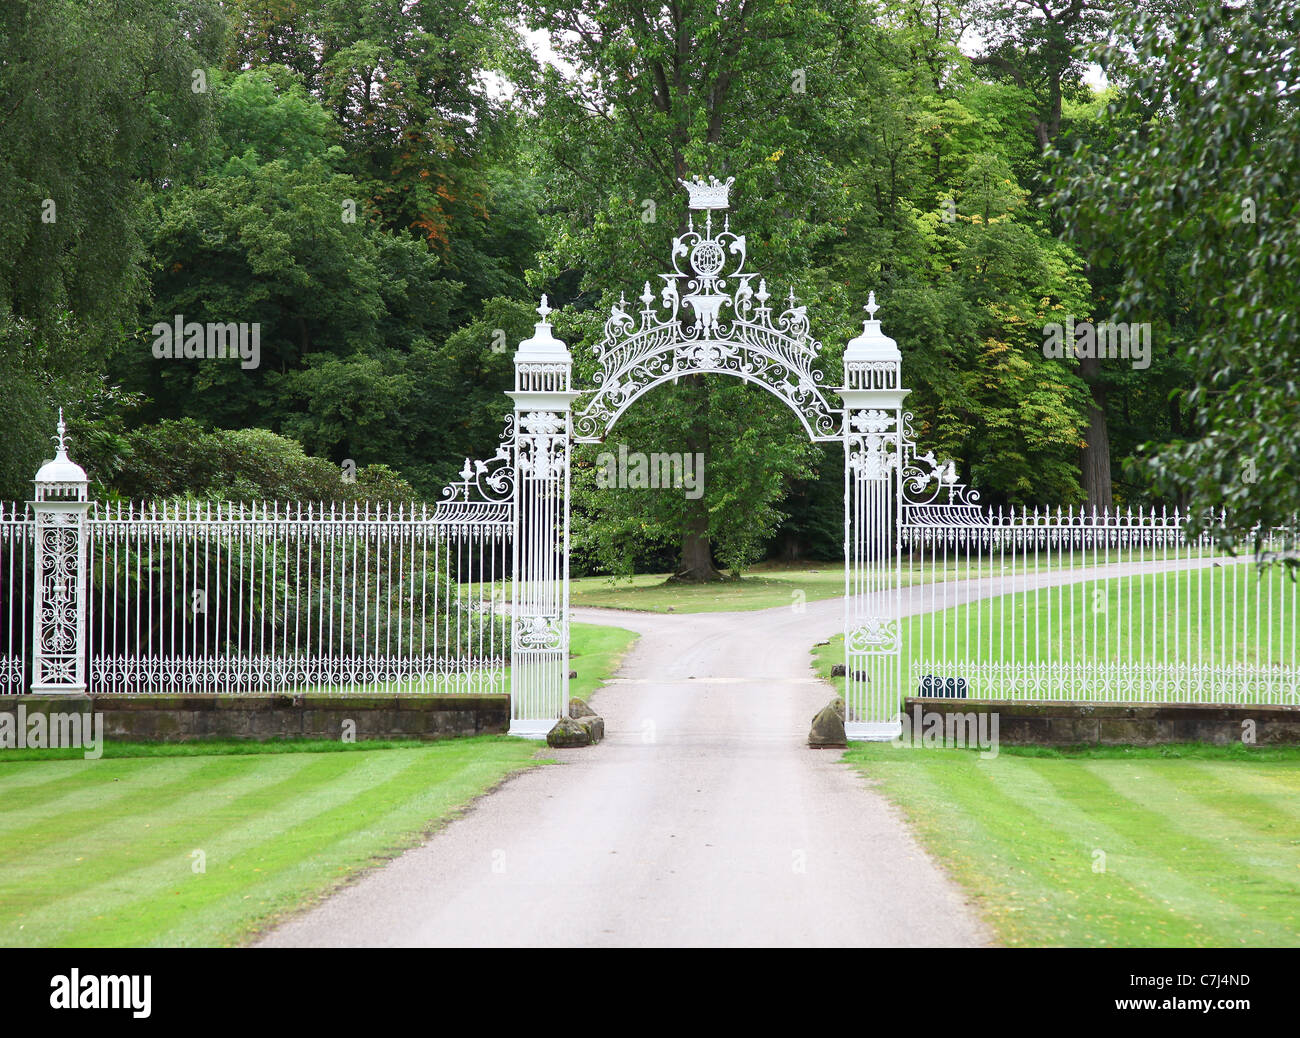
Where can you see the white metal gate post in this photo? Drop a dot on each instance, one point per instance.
(59, 595)
(873, 430)
(539, 652)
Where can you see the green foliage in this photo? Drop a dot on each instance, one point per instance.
(869, 150)
(96, 109)
(182, 459)
(1195, 195)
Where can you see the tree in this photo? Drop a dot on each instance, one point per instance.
(97, 106)
(1203, 166)
(181, 459)
(665, 91)
(1041, 47)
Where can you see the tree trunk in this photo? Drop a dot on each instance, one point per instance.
(697, 553)
(1095, 460)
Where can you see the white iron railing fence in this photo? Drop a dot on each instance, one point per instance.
(17, 540)
(1071, 605)
(281, 598)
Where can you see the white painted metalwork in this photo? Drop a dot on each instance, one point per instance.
(59, 599)
(298, 598)
(17, 538)
(942, 596)
(264, 597)
(707, 318)
(873, 451)
(539, 677)
(1066, 604)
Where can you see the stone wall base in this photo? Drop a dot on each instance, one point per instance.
(1037, 723)
(180, 718)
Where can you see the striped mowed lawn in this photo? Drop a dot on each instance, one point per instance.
(103, 852)
(1169, 846)
(1149, 619)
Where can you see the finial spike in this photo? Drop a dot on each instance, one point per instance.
(872, 306)
(544, 309)
(61, 440)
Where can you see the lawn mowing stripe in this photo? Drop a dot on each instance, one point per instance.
(115, 846)
(960, 813)
(230, 857)
(345, 847)
(102, 825)
(1146, 911)
(29, 778)
(1130, 850)
(299, 853)
(946, 793)
(1275, 790)
(1255, 859)
(1197, 809)
(1235, 811)
(75, 810)
(1050, 883)
(1069, 794)
(325, 783)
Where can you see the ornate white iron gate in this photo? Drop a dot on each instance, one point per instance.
(942, 597)
(1181, 622)
(709, 316)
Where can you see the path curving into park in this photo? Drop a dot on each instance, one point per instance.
(702, 819)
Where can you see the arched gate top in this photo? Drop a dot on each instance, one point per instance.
(709, 316)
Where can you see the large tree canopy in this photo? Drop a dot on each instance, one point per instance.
(383, 188)
(1195, 194)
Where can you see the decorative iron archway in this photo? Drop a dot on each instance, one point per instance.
(709, 317)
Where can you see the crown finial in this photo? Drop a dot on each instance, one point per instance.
(710, 194)
(544, 309)
(872, 306)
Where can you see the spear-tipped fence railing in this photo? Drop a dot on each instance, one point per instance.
(285, 598)
(297, 598)
(1075, 605)
(17, 537)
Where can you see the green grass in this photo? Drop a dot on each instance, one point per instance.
(773, 584)
(825, 655)
(101, 852)
(1147, 619)
(763, 587)
(596, 652)
(1151, 618)
(1201, 844)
